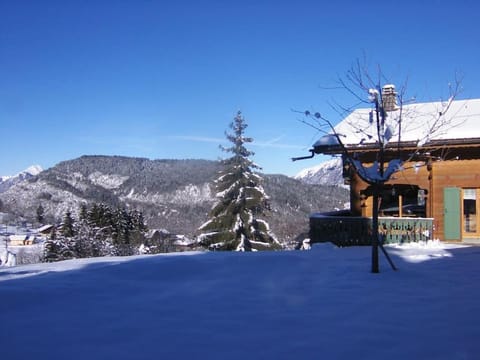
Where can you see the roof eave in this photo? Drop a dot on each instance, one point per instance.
(404, 145)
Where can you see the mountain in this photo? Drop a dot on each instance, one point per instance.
(175, 195)
(8, 181)
(326, 173)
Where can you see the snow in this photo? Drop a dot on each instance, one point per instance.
(188, 194)
(107, 181)
(324, 167)
(33, 170)
(318, 304)
(372, 173)
(456, 119)
(328, 172)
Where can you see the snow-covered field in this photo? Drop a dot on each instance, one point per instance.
(318, 304)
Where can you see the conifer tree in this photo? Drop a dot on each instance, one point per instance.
(122, 226)
(40, 214)
(99, 231)
(83, 212)
(139, 228)
(50, 250)
(235, 222)
(67, 226)
(59, 248)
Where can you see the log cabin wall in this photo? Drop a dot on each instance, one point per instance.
(460, 174)
(445, 135)
(413, 174)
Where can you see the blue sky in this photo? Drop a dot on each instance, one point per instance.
(160, 79)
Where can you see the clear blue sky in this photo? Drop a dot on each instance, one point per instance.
(160, 79)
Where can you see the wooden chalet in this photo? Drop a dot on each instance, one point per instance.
(436, 192)
(20, 240)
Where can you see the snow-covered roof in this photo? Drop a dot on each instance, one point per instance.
(18, 237)
(43, 228)
(420, 122)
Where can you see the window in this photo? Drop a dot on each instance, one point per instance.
(469, 210)
(403, 200)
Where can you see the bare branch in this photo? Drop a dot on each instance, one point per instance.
(381, 128)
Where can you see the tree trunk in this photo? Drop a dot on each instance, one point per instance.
(375, 267)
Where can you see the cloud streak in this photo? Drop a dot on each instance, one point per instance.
(272, 143)
(275, 143)
(197, 138)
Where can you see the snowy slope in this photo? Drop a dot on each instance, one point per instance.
(8, 181)
(326, 173)
(319, 304)
(31, 170)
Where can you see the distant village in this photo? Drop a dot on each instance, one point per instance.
(23, 238)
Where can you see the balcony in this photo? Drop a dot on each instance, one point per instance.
(343, 230)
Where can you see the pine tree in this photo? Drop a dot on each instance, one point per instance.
(101, 216)
(59, 248)
(50, 250)
(67, 226)
(234, 222)
(83, 212)
(40, 214)
(137, 236)
(122, 226)
(100, 229)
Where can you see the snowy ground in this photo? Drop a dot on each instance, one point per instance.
(318, 304)
(30, 254)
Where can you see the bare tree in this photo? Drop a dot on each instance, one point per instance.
(381, 126)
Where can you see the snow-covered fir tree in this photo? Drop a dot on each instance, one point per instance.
(235, 222)
(59, 248)
(67, 226)
(51, 250)
(99, 231)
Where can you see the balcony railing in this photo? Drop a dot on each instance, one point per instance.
(352, 230)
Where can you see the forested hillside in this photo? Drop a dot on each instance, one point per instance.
(172, 194)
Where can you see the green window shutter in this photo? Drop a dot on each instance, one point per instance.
(451, 212)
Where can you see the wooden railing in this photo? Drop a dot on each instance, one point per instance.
(345, 230)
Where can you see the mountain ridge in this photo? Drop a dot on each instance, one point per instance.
(9, 180)
(176, 195)
(328, 172)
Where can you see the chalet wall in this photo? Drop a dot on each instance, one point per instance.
(442, 174)
(455, 173)
(413, 173)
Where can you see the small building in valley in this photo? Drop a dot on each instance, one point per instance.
(20, 240)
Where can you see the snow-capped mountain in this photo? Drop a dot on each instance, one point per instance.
(33, 170)
(326, 173)
(7, 182)
(173, 194)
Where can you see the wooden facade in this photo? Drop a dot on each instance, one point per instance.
(21, 240)
(439, 179)
(447, 190)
